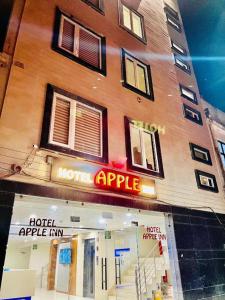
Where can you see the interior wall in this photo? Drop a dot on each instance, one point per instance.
(39, 260)
(17, 257)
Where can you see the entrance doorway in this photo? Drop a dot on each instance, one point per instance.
(89, 268)
(60, 250)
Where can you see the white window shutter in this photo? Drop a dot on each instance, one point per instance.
(89, 48)
(88, 134)
(68, 31)
(61, 122)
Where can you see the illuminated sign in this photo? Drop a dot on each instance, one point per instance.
(114, 180)
(80, 173)
(75, 175)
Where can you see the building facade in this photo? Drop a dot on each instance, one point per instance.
(110, 186)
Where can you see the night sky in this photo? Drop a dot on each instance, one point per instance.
(204, 22)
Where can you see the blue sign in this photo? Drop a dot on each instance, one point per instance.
(118, 252)
(23, 298)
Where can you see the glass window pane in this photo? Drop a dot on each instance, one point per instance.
(126, 17)
(141, 82)
(200, 154)
(220, 147)
(188, 93)
(223, 147)
(223, 160)
(136, 145)
(137, 29)
(130, 72)
(147, 139)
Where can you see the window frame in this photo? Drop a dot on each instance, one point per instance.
(99, 9)
(179, 58)
(183, 52)
(168, 9)
(148, 78)
(174, 21)
(221, 153)
(195, 100)
(186, 107)
(57, 37)
(47, 142)
(121, 22)
(201, 149)
(199, 173)
(137, 168)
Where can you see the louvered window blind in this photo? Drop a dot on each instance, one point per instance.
(76, 126)
(80, 42)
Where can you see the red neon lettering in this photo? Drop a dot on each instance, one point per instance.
(113, 180)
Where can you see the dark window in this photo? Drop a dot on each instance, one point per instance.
(96, 4)
(173, 22)
(178, 48)
(200, 154)
(169, 10)
(192, 114)
(136, 75)
(132, 21)
(143, 149)
(206, 181)
(221, 147)
(5, 13)
(182, 64)
(74, 126)
(79, 43)
(188, 94)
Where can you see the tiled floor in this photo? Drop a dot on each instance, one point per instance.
(52, 295)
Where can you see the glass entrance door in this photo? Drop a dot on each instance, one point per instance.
(126, 262)
(89, 268)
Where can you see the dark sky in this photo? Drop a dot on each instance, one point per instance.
(204, 22)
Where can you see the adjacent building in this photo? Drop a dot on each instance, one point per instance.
(110, 186)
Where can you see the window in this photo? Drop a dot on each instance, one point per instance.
(79, 43)
(143, 149)
(188, 94)
(200, 154)
(171, 11)
(183, 65)
(221, 147)
(5, 13)
(74, 126)
(96, 4)
(206, 181)
(178, 48)
(132, 21)
(173, 22)
(192, 114)
(136, 75)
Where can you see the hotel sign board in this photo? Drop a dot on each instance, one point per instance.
(79, 173)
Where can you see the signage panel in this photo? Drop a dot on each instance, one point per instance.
(79, 173)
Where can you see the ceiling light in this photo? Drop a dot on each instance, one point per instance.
(101, 221)
(54, 207)
(128, 214)
(94, 87)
